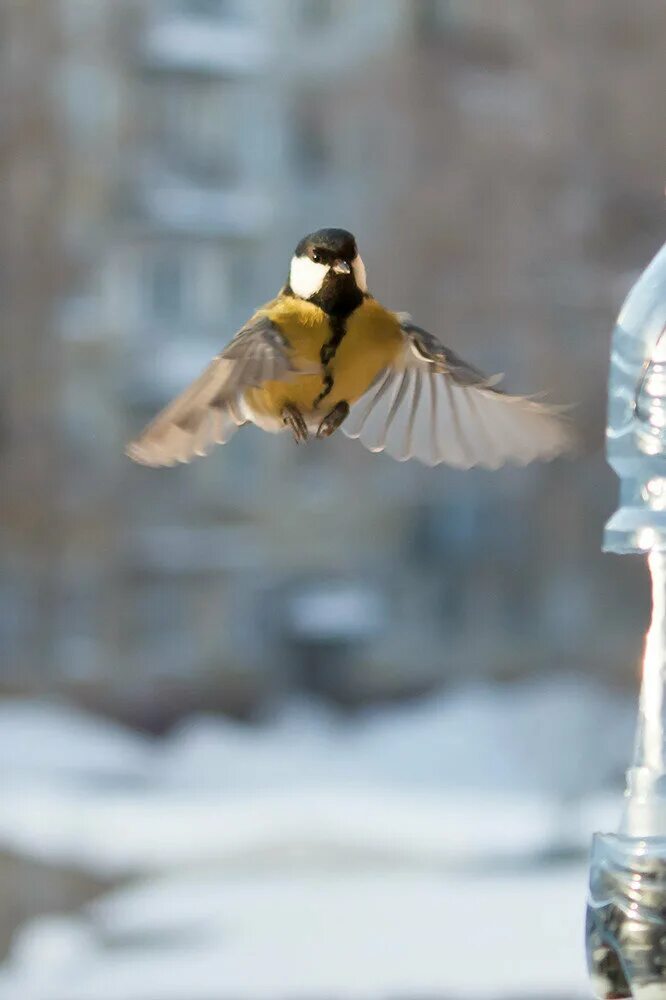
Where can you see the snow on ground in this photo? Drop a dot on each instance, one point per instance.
(399, 852)
(559, 735)
(311, 935)
(115, 834)
(42, 740)
(478, 773)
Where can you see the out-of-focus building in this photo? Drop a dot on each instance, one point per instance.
(163, 158)
(195, 141)
(33, 274)
(525, 215)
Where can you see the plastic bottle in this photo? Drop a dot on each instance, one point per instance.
(626, 915)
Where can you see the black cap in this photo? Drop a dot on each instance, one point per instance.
(337, 243)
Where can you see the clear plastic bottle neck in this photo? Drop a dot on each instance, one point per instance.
(636, 431)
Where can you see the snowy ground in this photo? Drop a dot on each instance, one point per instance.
(313, 935)
(403, 853)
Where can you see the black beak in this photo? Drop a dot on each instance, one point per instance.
(341, 267)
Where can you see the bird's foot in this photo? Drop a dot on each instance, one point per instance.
(293, 419)
(332, 420)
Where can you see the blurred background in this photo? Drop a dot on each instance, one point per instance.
(307, 722)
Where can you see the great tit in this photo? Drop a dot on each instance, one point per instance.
(325, 354)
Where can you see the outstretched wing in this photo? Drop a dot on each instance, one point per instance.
(209, 410)
(433, 406)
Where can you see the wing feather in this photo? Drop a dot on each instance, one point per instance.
(209, 411)
(436, 449)
(395, 405)
(457, 445)
(413, 411)
(356, 421)
(435, 407)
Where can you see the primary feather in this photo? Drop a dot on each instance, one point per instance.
(433, 406)
(210, 410)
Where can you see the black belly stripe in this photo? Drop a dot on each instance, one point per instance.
(328, 351)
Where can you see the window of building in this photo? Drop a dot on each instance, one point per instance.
(310, 143)
(316, 13)
(211, 290)
(242, 274)
(184, 284)
(89, 98)
(208, 9)
(436, 17)
(192, 131)
(163, 287)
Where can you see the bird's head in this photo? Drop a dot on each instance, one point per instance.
(326, 269)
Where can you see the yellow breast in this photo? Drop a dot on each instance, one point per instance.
(372, 341)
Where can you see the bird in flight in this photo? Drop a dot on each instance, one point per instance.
(324, 354)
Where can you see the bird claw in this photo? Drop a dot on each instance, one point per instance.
(293, 419)
(332, 420)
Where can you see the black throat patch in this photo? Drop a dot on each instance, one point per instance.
(338, 297)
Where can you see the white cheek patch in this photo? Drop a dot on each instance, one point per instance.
(358, 267)
(306, 277)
